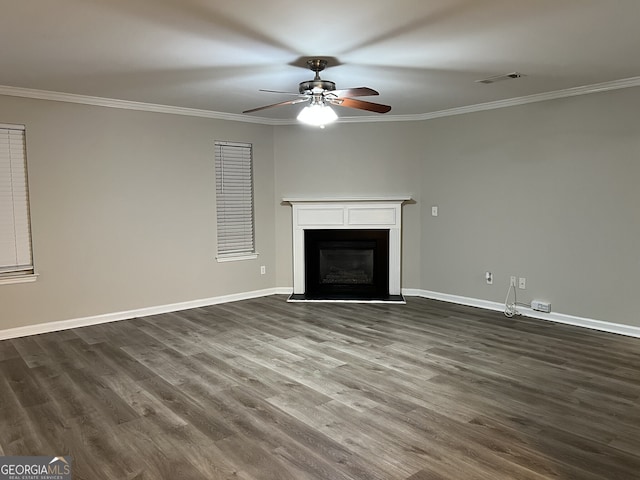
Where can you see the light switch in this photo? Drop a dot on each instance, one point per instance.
(434, 211)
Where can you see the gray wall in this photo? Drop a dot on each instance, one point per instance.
(123, 211)
(123, 203)
(547, 191)
(349, 160)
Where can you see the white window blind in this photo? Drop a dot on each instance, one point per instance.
(234, 198)
(15, 230)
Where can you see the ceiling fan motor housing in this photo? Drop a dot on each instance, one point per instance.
(317, 85)
(310, 85)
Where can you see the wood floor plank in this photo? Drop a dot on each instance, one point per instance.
(30, 352)
(23, 384)
(69, 396)
(101, 397)
(265, 389)
(17, 432)
(187, 408)
(60, 351)
(260, 463)
(197, 455)
(8, 351)
(281, 433)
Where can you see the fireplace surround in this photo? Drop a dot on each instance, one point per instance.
(354, 219)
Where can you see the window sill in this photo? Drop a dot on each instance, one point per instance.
(235, 258)
(32, 277)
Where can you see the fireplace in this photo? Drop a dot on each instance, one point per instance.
(347, 264)
(347, 249)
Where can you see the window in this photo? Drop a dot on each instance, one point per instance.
(234, 200)
(15, 231)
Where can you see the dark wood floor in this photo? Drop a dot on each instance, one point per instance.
(263, 389)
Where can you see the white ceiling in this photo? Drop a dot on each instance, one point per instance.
(421, 55)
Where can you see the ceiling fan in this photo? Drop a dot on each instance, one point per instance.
(320, 94)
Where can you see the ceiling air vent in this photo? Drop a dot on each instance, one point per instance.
(499, 78)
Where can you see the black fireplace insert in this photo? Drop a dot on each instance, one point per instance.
(347, 265)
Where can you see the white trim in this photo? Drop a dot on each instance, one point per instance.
(12, 126)
(283, 290)
(9, 280)
(194, 112)
(140, 312)
(127, 104)
(538, 97)
(620, 329)
(235, 258)
(390, 198)
(445, 297)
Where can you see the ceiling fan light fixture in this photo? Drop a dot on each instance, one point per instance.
(320, 94)
(317, 115)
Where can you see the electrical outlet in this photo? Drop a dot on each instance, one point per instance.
(489, 278)
(263, 270)
(522, 283)
(513, 281)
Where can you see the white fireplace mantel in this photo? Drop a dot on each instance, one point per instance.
(347, 213)
(392, 198)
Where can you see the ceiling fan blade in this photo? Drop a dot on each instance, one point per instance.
(288, 102)
(361, 104)
(278, 91)
(354, 92)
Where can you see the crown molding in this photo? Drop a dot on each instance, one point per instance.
(194, 112)
(538, 97)
(382, 118)
(126, 104)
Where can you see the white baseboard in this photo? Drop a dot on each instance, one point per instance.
(283, 290)
(593, 324)
(618, 328)
(445, 297)
(140, 312)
